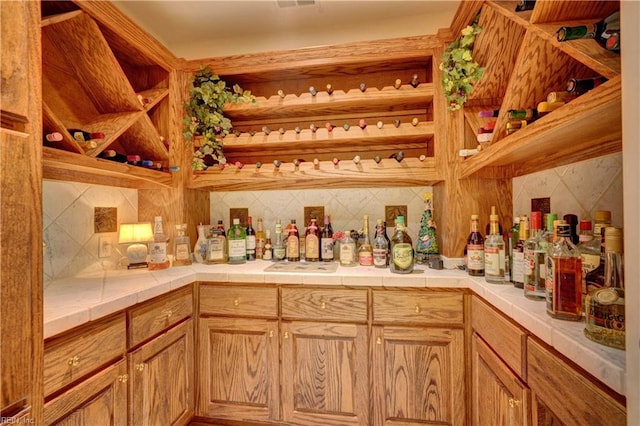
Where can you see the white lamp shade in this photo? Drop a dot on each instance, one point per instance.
(135, 233)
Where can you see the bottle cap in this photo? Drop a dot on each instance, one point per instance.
(585, 225)
(536, 220)
(602, 216)
(551, 217)
(613, 239)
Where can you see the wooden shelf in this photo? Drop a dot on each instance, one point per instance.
(410, 172)
(63, 165)
(587, 127)
(352, 103)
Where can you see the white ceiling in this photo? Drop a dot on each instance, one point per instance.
(203, 29)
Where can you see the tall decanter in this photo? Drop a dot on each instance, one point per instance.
(564, 277)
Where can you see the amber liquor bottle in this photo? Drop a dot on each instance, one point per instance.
(293, 242)
(312, 241)
(535, 249)
(402, 259)
(564, 277)
(158, 258)
(475, 249)
(494, 257)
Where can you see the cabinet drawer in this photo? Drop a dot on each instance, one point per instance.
(424, 307)
(158, 314)
(69, 358)
(242, 301)
(324, 304)
(506, 339)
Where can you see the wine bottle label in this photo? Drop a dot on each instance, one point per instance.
(237, 249)
(158, 252)
(216, 248)
(279, 253)
(380, 257)
(518, 267)
(491, 261)
(182, 252)
(365, 258)
(347, 253)
(475, 257)
(326, 248)
(293, 246)
(312, 249)
(251, 243)
(606, 309)
(403, 255)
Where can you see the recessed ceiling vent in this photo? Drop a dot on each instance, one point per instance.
(290, 3)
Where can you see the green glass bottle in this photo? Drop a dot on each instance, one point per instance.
(237, 242)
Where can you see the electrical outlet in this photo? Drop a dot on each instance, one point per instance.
(104, 247)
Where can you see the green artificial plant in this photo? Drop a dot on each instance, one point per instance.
(208, 95)
(459, 71)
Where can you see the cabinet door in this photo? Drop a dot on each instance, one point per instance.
(418, 376)
(99, 400)
(161, 382)
(498, 395)
(238, 369)
(325, 374)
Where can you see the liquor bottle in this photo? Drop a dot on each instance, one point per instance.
(606, 32)
(312, 241)
(260, 239)
(427, 243)
(494, 260)
(217, 248)
(326, 241)
(601, 219)
(181, 247)
(512, 239)
(268, 246)
(589, 254)
(84, 136)
(380, 247)
(251, 239)
(200, 248)
(348, 255)
(112, 155)
(546, 106)
(365, 251)
(401, 261)
(293, 243)
(605, 307)
(564, 278)
(52, 137)
(525, 5)
(279, 250)
(414, 81)
(158, 258)
(535, 249)
(475, 249)
(578, 86)
(517, 273)
(529, 115)
(237, 243)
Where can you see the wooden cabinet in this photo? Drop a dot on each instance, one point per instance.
(529, 65)
(99, 400)
(20, 213)
(325, 362)
(499, 397)
(418, 359)
(238, 359)
(161, 379)
(563, 395)
(116, 87)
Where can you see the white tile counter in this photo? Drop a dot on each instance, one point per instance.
(73, 301)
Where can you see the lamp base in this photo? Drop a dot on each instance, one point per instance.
(138, 265)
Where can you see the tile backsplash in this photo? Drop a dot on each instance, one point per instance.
(72, 246)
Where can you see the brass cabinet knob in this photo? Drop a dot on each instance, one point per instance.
(74, 361)
(140, 367)
(270, 333)
(417, 309)
(514, 402)
(123, 378)
(167, 313)
(379, 341)
(236, 302)
(286, 334)
(323, 305)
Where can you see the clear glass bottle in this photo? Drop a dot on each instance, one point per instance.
(494, 260)
(402, 256)
(348, 255)
(475, 249)
(386, 237)
(605, 307)
(380, 247)
(365, 251)
(293, 242)
(326, 241)
(535, 268)
(312, 241)
(217, 245)
(589, 254)
(517, 273)
(512, 240)
(158, 258)
(237, 243)
(251, 239)
(279, 250)
(181, 247)
(564, 277)
(200, 247)
(260, 239)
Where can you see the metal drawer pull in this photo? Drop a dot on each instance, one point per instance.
(123, 378)
(323, 305)
(140, 367)
(74, 361)
(417, 309)
(270, 333)
(236, 302)
(514, 402)
(167, 313)
(378, 341)
(286, 334)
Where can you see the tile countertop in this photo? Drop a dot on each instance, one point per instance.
(73, 301)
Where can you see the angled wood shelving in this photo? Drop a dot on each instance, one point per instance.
(589, 126)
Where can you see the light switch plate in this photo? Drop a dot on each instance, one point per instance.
(104, 247)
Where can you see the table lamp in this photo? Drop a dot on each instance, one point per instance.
(136, 235)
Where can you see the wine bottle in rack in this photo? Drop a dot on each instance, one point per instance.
(529, 114)
(112, 155)
(313, 91)
(363, 87)
(414, 81)
(84, 136)
(281, 93)
(398, 156)
(52, 137)
(578, 86)
(488, 113)
(525, 5)
(329, 89)
(398, 83)
(606, 32)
